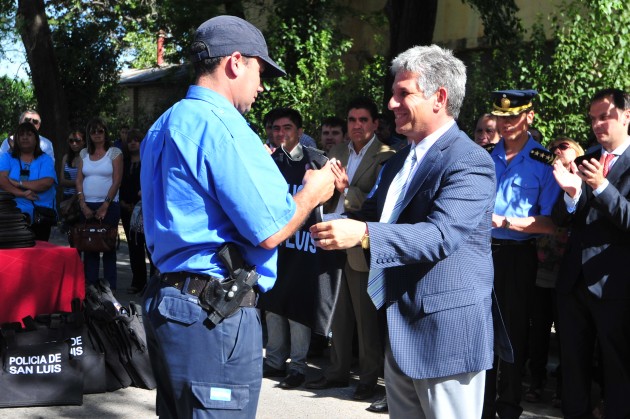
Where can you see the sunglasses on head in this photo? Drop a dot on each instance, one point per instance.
(75, 140)
(561, 147)
(97, 131)
(33, 121)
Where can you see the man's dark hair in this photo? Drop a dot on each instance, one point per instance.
(620, 98)
(333, 121)
(290, 113)
(21, 129)
(363, 102)
(205, 66)
(270, 116)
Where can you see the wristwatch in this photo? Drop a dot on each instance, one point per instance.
(506, 223)
(365, 240)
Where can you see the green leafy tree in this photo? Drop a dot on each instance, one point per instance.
(591, 52)
(589, 46)
(303, 38)
(15, 96)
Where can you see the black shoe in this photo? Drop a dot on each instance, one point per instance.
(324, 383)
(293, 380)
(364, 391)
(272, 372)
(379, 406)
(533, 395)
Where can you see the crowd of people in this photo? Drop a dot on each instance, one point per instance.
(451, 257)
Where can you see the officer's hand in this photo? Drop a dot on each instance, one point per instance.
(320, 183)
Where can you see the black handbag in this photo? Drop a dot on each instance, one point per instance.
(44, 215)
(94, 237)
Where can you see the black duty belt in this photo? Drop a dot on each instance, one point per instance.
(197, 282)
(504, 242)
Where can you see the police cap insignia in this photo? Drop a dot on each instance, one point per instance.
(512, 102)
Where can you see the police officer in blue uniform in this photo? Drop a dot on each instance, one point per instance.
(207, 181)
(526, 193)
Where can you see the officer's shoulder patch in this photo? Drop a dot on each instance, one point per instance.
(489, 147)
(542, 155)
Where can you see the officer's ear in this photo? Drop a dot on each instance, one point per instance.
(530, 117)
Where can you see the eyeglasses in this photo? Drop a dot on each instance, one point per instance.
(75, 140)
(561, 147)
(97, 131)
(33, 121)
(134, 140)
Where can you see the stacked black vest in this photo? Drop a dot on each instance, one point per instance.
(14, 231)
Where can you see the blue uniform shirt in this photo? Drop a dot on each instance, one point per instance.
(41, 167)
(206, 179)
(526, 187)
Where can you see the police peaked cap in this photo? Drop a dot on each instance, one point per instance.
(512, 102)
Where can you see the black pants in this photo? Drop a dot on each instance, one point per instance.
(542, 316)
(584, 319)
(137, 254)
(515, 269)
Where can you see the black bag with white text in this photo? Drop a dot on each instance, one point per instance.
(36, 371)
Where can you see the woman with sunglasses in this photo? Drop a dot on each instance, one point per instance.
(129, 197)
(566, 150)
(70, 163)
(98, 178)
(29, 174)
(550, 250)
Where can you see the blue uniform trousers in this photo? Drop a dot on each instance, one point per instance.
(201, 371)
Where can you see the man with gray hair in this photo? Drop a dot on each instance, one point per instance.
(425, 229)
(33, 117)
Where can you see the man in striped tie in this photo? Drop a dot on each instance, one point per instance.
(425, 230)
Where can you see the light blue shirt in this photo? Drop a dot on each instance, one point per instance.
(206, 180)
(525, 188)
(42, 167)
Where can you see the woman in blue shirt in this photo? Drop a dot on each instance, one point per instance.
(29, 174)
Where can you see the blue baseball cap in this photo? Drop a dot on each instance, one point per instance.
(512, 102)
(224, 35)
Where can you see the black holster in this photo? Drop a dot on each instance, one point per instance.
(222, 299)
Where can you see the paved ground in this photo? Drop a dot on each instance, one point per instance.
(275, 403)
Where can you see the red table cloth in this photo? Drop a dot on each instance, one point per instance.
(39, 280)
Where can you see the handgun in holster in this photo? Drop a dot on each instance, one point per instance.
(222, 299)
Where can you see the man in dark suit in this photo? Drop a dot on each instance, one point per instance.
(426, 229)
(356, 167)
(594, 285)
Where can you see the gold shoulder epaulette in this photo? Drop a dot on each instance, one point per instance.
(489, 147)
(542, 155)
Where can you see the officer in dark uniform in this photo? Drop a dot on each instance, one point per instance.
(526, 193)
